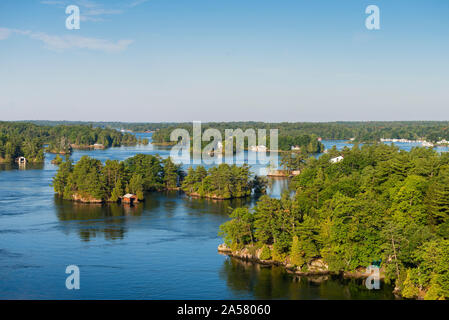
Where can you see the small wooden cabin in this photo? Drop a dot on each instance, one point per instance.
(130, 198)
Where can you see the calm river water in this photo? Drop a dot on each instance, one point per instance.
(165, 248)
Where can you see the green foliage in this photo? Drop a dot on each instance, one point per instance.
(117, 192)
(265, 254)
(57, 160)
(150, 169)
(172, 174)
(27, 139)
(409, 287)
(296, 254)
(259, 184)
(222, 182)
(135, 186)
(238, 231)
(90, 179)
(378, 203)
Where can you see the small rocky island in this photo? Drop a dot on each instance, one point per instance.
(91, 181)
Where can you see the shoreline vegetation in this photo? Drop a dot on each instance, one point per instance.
(91, 181)
(223, 182)
(379, 203)
(315, 267)
(31, 141)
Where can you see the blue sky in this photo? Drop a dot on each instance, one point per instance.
(210, 60)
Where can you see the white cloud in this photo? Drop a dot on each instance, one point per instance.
(136, 3)
(50, 2)
(61, 43)
(4, 33)
(93, 11)
(96, 13)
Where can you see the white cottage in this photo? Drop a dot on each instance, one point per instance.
(336, 159)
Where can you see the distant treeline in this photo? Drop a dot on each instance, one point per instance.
(28, 139)
(359, 131)
(306, 142)
(378, 203)
(90, 181)
(362, 131)
(370, 131)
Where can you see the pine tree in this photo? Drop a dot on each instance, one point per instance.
(296, 256)
(117, 192)
(170, 174)
(266, 253)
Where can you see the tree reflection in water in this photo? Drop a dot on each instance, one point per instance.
(273, 282)
(95, 219)
(15, 166)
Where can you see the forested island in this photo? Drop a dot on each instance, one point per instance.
(378, 204)
(286, 142)
(90, 181)
(222, 182)
(22, 139)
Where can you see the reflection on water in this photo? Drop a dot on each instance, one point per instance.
(92, 220)
(273, 282)
(15, 166)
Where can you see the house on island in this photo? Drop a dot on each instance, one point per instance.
(296, 148)
(260, 148)
(21, 160)
(98, 146)
(130, 198)
(336, 159)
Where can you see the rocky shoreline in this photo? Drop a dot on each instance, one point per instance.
(316, 267)
(213, 196)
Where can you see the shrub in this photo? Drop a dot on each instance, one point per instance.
(266, 253)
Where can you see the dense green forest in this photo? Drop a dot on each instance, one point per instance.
(306, 142)
(379, 202)
(366, 131)
(431, 131)
(296, 133)
(222, 182)
(28, 139)
(90, 181)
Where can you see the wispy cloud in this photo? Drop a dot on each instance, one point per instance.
(49, 2)
(136, 3)
(94, 11)
(61, 43)
(4, 33)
